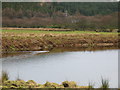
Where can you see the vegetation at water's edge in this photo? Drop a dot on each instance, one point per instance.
(19, 40)
(6, 83)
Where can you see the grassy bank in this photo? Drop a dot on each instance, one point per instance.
(18, 83)
(33, 84)
(27, 40)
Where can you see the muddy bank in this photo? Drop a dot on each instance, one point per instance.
(33, 42)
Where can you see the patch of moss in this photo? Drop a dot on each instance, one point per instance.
(52, 85)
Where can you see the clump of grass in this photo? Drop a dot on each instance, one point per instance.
(31, 84)
(70, 84)
(5, 76)
(15, 84)
(105, 83)
(90, 85)
(52, 85)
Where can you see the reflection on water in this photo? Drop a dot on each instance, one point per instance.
(72, 65)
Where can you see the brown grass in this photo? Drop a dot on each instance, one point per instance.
(39, 29)
(12, 41)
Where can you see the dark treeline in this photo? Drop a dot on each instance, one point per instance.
(84, 8)
(75, 15)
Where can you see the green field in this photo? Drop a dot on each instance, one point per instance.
(57, 32)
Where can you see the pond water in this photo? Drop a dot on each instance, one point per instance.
(58, 66)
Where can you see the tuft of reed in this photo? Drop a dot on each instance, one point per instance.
(18, 78)
(104, 83)
(5, 76)
(90, 85)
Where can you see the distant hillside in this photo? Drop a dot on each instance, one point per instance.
(84, 8)
(96, 16)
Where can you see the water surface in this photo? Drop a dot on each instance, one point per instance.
(80, 66)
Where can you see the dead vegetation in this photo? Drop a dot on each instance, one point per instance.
(39, 29)
(12, 41)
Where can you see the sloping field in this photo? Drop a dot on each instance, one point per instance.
(24, 40)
